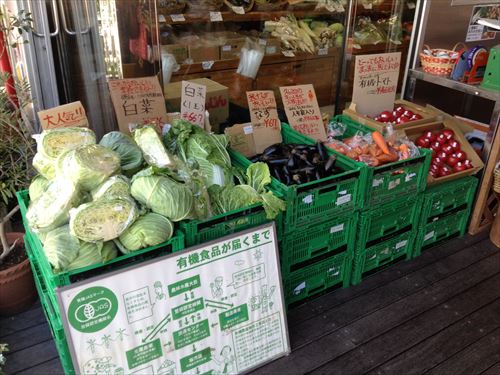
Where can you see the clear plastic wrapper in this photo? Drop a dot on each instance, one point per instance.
(154, 151)
(250, 59)
(54, 142)
(37, 187)
(44, 165)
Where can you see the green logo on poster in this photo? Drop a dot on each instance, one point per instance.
(92, 309)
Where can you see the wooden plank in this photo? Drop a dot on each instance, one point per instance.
(493, 370)
(475, 359)
(29, 357)
(50, 367)
(340, 339)
(28, 337)
(438, 348)
(22, 321)
(412, 331)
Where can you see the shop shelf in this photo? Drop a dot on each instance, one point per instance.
(442, 227)
(389, 181)
(384, 221)
(331, 237)
(325, 273)
(317, 201)
(382, 254)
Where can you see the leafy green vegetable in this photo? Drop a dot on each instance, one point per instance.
(130, 154)
(61, 248)
(93, 253)
(54, 142)
(152, 147)
(162, 195)
(258, 176)
(148, 230)
(102, 220)
(37, 187)
(44, 165)
(89, 166)
(272, 204)
(113, 187)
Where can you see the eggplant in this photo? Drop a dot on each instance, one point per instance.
(330, 163)
(273, 149)
(306, 160)
(256, 158)
(277, 161)
(287, 175)
(291, 162)
(322, 150)
(296, 178)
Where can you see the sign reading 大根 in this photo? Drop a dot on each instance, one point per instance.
(375, 82)
(214, 309)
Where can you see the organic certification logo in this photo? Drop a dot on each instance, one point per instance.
(92, 309)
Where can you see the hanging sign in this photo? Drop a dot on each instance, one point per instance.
(64, 116)
(138, 101)
(193, 98)
(216, 308)
(375, 82)
(302, 110)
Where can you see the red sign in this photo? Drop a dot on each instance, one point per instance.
(64, 116)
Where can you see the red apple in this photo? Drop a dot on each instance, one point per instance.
(430, 136)
(441, 154)
(441, 138)
(423, 142)
(399, 111)
(448, 133)
(447, 149)
(403, 119)
(452, 160)
(415, 117)
(378, 118)
(454, 144)
(468, 163)
(434, 173)
(439, 161)
(386, 116)
(461, 156)
(459, 167)
(445, 171)
(408, 113)
(436, 146)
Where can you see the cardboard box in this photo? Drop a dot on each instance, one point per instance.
(428, 116)
(251, 140)
(414, 132)
(204, 51)
(180, 51)
(231, 48)
(217, 100)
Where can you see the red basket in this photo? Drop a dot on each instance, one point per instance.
(440, 66)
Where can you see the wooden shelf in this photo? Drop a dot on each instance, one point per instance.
(229, 16)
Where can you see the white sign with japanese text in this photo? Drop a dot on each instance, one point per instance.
(193, 98)
(216, 308)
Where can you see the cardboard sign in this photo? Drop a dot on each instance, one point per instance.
(193, 98)
(375, 82)
(263, 109)
(64, 116)
(218, 310)
(138, 101)
(302, 110)
(251, 140)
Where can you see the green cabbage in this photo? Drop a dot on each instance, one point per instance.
(148, 230)
(37, 187)
(162, 195)
(102, 220)
(93, 253)
(44, 165)
(51, 209)
(61, 248)
(152, 147)
(89, 166)
(113, 187)
(54, 142)
(130, 154)
(258, 176)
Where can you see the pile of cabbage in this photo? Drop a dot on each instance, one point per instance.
(93, 200)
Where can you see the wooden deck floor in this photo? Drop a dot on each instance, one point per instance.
(436, 314)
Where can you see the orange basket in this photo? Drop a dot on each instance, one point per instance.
(440, 66)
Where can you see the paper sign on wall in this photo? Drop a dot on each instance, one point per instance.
(64, 116)
(213, 309)
(193, 102)
(138, 101)
(302, 110)
(375, 82)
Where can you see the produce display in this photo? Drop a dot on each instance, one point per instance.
(86, 208)
(400, 115)
(447, 156)
(368, 32)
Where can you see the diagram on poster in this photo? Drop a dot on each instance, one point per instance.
(214, 309)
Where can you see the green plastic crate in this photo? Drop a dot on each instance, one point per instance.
(383, 254)
(388, 181)
(316, 201)
(442, 227)
(312, 279)
(384, 221)
(332, 237)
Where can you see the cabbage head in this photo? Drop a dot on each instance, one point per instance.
(102, 220)
(54, 142)
(61, 248)
(113, 187)
(37, 187)
(152, 147)
(148, 230)
(88, 166)
(93, 253)
(51, 209)
(44, 165)
(232, 197)
(130, 154)
(163, 196)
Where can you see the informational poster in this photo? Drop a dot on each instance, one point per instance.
(64, 116)
(213, 309)
(302, 110)
(138, 101)
(193, 97)
(375, 82)
(486, 13)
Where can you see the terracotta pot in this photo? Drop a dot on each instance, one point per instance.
(17, 287)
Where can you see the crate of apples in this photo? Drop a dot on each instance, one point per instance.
(447, 155)
(400, 115)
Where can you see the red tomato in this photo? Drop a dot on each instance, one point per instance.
(448, 134)
(459, 167)
(423, 142)
(452, 160)
(386, 116)
(398, 111)
(461, 155)
(454, 144)
(447, 149)
(445, 171)
(415, 117)
(441, 139)
(408, 113)
(436, 146)
(430, 136)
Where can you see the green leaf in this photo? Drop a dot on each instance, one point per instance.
(258, 176)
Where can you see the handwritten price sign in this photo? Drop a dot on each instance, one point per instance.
(375, 82)
(64, 116)
(193, 102)
(262, 107)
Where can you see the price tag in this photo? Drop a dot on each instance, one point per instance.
(410, 5)
(207, 65)
(337, 228)
(271, 50)
(410, 176)
(428, 236)
(288, 54)
(308, 199)
(323, 51)
(262, 42)
(393, 184)
(193, 102)
(343, 200)
(377, 182)
(161, 18)
(238, 10)
(177, 17)
(215, 16)
(226, 48)
(400, 244)
(248, 129)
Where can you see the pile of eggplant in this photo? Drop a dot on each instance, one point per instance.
(295, 164)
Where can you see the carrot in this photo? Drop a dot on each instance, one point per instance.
(380, 142)
(405, 151)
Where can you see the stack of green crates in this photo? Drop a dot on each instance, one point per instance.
(319, 226)
(445, 212)
(47, 281)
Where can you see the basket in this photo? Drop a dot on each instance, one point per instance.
(171, 7)
(270, 7)
(439, 66)
(205, 5)
(496, 181)
(247, 8)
